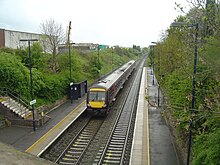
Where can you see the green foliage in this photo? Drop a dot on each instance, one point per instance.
(54, 87)
(207, 149)
(179, 91)
(37, 56)
(48, 86)
(94, 66)
(212, 55)
(14, 75)
(173, 59)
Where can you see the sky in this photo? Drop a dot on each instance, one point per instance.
(110, 22)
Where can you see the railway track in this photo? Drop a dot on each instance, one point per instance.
(99, 140)
(76, 148)
(114, 150)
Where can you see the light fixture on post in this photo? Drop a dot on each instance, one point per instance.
(98, 61)
(32, 102)
(69, 48)
(158, 85)
(152, 62)
(112, 57)
(179, 24)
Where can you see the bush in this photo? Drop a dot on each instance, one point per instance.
(50, 85)
(207, 149)
(14, 75)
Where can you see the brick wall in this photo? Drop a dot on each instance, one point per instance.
(2, 38)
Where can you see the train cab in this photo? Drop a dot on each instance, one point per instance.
(96, 99)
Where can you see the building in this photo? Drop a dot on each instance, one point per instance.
(79, 46)
(11, 39)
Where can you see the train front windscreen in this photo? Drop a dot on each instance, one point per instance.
(97, 99)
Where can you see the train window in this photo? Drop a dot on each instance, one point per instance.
(96, 96)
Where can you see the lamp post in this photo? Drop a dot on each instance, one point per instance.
(158, 89)
(178, 24)
(152, 62)
(98, 62)
(158, 69)
(70, 64)
(112, 57)
(31, 81)
(69, 51)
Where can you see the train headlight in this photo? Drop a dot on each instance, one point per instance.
(88, 105)
(104, 106)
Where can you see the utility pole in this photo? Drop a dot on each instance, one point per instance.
(69, 51)
(71, 83)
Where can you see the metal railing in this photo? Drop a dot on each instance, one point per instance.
(15, 96)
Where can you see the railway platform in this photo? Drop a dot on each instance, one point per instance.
(152, 141)
(26, 140)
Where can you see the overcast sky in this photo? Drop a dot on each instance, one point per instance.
(111, 22)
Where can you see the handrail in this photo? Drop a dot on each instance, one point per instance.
(7, 92)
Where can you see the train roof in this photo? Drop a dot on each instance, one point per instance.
(108, 81)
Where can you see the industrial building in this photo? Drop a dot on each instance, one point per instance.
(11, 39)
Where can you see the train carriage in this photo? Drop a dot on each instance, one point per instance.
(101, 95)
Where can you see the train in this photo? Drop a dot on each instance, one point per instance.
(101, 95)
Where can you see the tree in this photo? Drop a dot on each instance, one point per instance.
(53, 35)
(210, 17)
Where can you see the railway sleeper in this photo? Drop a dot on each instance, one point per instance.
(83, 139)
(116, 145)
(111, 162)
(114, 149)
(72, 156)
(115, 139)
(77, 142)
(118, 137)
(110, 154)
(67, 159)
(119, 134)
(121, 125)
(117, 142)
(81, 145)
(74, 152)
(85, 136)
(112, 158)
(76, 149)
(120, 129)
(115, 152)
(66, 163)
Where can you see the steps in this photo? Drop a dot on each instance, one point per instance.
(16, 107)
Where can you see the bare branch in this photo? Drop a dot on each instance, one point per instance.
(54, 34)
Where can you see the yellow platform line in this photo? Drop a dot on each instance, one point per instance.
(53, 128)
(147, 119)
(148, 139)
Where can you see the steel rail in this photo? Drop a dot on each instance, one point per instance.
(77, 147)
(116, 143)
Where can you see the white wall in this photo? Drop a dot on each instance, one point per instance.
(12, 38)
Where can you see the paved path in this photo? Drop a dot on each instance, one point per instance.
(162, 151)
